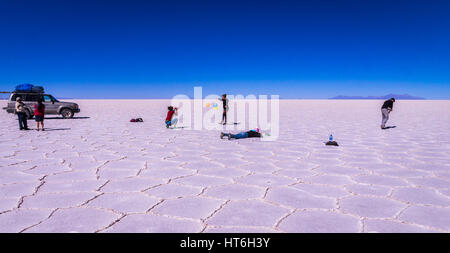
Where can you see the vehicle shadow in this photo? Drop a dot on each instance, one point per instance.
(68, 118)
(56, 129)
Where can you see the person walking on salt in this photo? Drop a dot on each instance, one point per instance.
(386, 109)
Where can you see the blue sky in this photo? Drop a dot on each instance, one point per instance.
(157, 49)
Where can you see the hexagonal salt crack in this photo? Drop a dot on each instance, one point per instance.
(164, 164)
(295, 174)
(173, 190)
(421, 196)
(431, 182)
(380, 180)
(19, 219)
(266, 180)
(223, 172)
(248, 213)
(132, 184)
(365, 189)
(102, 157)
(437, 217)
(115, 174)
(125, 165)
(166, 173)
(189, 207)
(323, 190)
(17, 177)
(259, 167)
(125, 202)
(371, 207)
(9, 203)
(202, 165)
(203, 181)
(48, 169)
(340, 170)
(73, 176)
(149, 223)
(83, 164)
(18, 190)
(320, 222)
(75, 220)
(387, 226)
(292, 197)
(240, 230)
(57, 200)
(289, 164)
(235, 192)
(71, 186)
(330, 180)
(403, 173)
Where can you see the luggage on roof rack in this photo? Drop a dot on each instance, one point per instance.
(26, 87)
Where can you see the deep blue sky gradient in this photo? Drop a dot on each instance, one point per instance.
(157, 49)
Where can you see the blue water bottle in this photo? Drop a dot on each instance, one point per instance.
(331, 137)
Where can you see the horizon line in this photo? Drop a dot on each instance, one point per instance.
(434, 99)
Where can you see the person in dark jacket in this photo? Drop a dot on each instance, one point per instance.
(224, 100)
(385, 110)
(242, 135)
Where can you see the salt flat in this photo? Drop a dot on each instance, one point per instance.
(100, 173)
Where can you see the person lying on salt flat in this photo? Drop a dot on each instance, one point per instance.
(249, 134)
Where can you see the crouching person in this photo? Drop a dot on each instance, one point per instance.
(170, 118)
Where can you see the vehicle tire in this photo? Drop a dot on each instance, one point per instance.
(29, 114)
(67, 113)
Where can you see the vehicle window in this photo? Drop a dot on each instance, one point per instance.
(47, 98)
(53, 98)
(31, 98)
(15, 96)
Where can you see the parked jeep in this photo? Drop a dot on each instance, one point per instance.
(52, 105)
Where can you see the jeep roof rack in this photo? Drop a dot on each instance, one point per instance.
(20, 91)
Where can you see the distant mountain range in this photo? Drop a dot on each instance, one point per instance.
(388, 96)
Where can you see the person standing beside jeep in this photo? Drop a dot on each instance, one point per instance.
(39, 112)
(21, 114)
